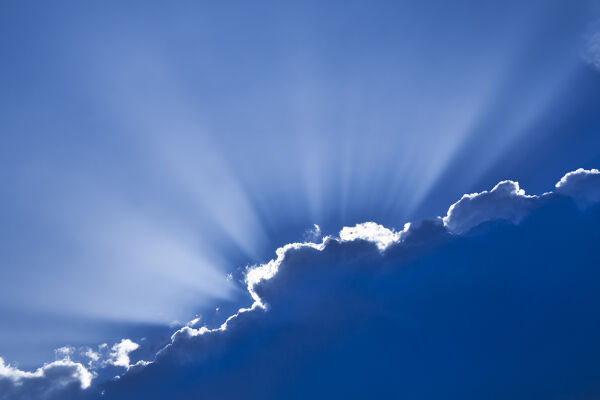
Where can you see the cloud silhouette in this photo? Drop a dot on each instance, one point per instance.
(356, 300)
(347, 320)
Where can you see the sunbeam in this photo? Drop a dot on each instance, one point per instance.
(150, 154)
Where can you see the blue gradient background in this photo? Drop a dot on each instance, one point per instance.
(148, 149)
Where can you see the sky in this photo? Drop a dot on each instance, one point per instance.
(151, 154)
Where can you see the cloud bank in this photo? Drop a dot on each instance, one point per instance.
(346, 320)
(506, 201)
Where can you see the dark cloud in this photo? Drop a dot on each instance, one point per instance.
(509, 313)
(424, 312)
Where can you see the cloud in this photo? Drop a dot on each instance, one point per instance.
(119, 355)
(506, 201)
(64, 352)
(371, 232)
(68, 376)
(347, 320)
(581, 185)
(254, 276)
(58, 376)
(374, 233)
(92, 355)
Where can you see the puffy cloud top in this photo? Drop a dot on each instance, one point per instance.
(506, 201)
(583, 185)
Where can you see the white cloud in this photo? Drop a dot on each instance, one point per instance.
(64, 352)
(120, 353)
(48, 378)
(506, 201)
(582, 185)
(92, 355)
(374, 233)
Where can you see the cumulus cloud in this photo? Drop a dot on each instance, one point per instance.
(506, 201)
(582, 185)
(57, 376)
(336, 327)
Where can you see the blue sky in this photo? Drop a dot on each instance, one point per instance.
(149, 152)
